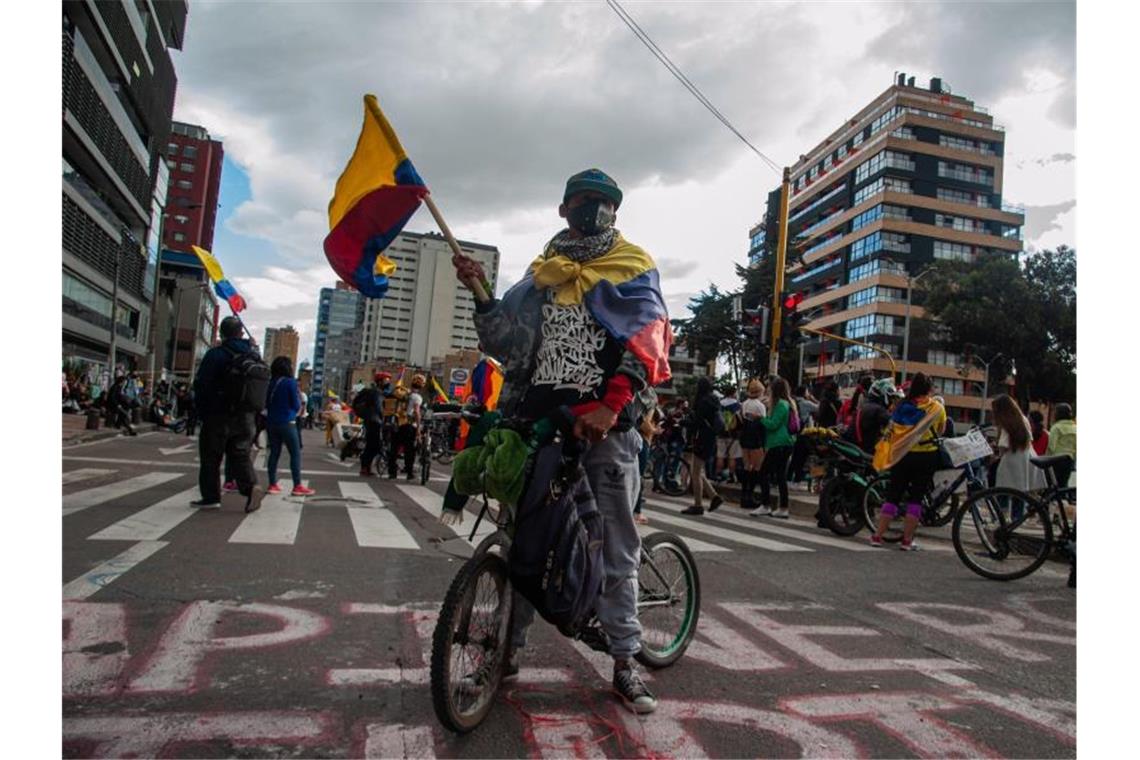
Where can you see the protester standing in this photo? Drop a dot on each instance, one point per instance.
(283, 404)
(368, 405)
(119, 404)
(752, 413)
(728, 439)
(828, 414)
(778, 439)
(1015, 449)
(706, 416)
(1038, 434)
(1063, 440)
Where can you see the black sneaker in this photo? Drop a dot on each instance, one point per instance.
(253, 503)
(203, 504)
(693, 511)
(632, 690)
(715, 503)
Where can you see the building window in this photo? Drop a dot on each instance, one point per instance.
(190, 151)
(961, 223)
(187, 167)
(948, 386)
(961, 143)
(179, 237)
(876, 294)
(872, 268)
(981, 200)
(867, 217)
(903, 133)
(184, 184)
(953, 251)
(869, 324)
(172, 149)
(945, 358)
(965, 173)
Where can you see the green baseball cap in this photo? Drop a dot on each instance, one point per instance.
(596, 180)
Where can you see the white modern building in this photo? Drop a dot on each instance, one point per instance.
(427, 312)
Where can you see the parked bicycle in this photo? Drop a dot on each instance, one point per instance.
(676, 478)
(1005, 534)
(845, 471)
(472, 633)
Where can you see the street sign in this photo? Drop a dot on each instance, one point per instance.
(459, 376)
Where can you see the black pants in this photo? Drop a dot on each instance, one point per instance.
(775, 468)
(228, 435)
(799, 460)
(911, 478)
(371, 445)
(406, 437)
(191, 422)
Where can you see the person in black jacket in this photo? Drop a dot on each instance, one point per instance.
(828, 415)
(373, 422)
(706, 415)
(224, 432)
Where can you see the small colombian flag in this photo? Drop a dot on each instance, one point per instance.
(374, 198)
(222, 286)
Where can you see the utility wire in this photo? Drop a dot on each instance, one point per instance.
(660, 55)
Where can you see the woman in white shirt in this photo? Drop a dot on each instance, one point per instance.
(752, 440)
(1015, 449)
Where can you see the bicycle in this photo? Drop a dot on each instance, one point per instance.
(938, 507)
(1005, 534)
(424, 453)
(472, 633)
(677, 478)
(845, 471)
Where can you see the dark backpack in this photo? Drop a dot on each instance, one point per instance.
(245, 383)
(556, 559)
(364, 405)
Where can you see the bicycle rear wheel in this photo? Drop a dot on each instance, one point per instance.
(873, 496)
(470, 642)
(1002, 534)
(425, 465)
(668, 599)
(678, 479)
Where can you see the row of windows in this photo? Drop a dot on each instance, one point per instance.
(851, 353)
(816, 270)
(904, 133)
(946, 117)
(883, 184)
(962, 143)
(945, 358)
(876, 294)
(953, 251)
(965, 172)
(882, 160)
(948, 386)
(189, 151)
(882, 210)
(872, 268)
(882, 324)
(878, 241)
(172, 165)
(961, 223)
(981, 200)
(818, 201)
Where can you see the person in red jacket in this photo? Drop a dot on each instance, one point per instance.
(1040, 435)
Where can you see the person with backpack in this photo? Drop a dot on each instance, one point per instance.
(728, 439)
(706, 424)
(119, 405)
(780, 428)
(230, 389)
(586, 330)
(282, 405)
(368, 405)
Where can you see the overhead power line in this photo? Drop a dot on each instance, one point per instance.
(660, 55)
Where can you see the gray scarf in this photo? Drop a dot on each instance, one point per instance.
(582, 249)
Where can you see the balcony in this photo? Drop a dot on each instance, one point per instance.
(1013, 208)
(979, 178)
(813, 272)
(899, 163)
(823, 222)
(817, 202)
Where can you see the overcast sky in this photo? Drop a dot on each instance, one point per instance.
(498, 103)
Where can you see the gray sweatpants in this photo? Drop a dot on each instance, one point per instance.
(611, 468)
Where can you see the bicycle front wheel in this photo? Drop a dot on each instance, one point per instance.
(470, 643)
(841, 505)
(668, 599)
(1002, 534)
(678, 479)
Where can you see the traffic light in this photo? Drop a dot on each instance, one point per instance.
(754, 325)
(791, 320)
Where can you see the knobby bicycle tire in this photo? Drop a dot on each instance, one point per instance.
(454, 621)
(653, 548)
(995, 546)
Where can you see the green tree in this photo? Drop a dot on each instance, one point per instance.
(711, 332)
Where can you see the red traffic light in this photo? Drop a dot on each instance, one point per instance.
(793, 300)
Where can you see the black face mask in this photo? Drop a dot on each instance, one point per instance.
(591, 217)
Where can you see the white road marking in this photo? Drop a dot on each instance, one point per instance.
(177, 450)
(153, 522)
(169, 463)
(109, 571)
(432, 503)
(694, 544)
(695, 524)
(275, 523)
(80, 500)
(88, 473)
(373, 524)
(764, 525)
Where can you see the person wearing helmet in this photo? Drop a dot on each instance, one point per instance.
(873, 415)
(410, 414)
(368, 406)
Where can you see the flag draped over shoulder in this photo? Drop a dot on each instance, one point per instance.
(222, 286)
(375, 197)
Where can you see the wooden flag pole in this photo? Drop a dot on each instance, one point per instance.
(477, 289)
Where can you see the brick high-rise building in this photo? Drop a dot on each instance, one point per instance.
(280, 341)
(118, 97)
(195, 164)
(914, 177)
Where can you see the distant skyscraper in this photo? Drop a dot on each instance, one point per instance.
(280, 341)
(427, 313)
(195, 164)
(340, 314)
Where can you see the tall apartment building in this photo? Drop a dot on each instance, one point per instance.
(340, 319)
(118, 96)
(914, 177)
(194, 161)
(280, 341)
(427, 313)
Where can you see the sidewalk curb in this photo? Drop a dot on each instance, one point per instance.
(105, 433)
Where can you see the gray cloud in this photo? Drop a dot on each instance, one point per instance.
(1042, 219)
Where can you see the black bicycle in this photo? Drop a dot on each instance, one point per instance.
(1005, 534)
(939, 505)
(472, 633)
(677, 478)
(845, 471)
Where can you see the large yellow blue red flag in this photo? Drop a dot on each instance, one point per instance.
(222, 286)
(375, 197)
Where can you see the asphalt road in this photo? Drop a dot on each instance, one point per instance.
(303, 630)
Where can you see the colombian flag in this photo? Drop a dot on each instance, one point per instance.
(222, 286)
(375, 197)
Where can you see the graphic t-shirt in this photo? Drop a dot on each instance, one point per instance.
(575, 357)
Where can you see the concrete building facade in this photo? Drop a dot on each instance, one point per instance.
(281, 341)
(340, 317)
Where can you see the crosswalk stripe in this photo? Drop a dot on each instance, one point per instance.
(374, 525)
(694, 544)
(275, 523)
(761, 525)
(109, 571)
(730, 535)
(87, 473)
(432, 503)
(153, 522)
(80, 500)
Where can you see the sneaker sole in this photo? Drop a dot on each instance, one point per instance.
(633, 707)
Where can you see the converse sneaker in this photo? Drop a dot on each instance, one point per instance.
(632, 690)
(230, 486)
(781, 513)
(761, 511)
(908, 546)
(876, 540)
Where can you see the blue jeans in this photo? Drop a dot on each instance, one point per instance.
(284, 433)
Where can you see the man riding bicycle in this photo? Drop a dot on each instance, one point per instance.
(587, 328)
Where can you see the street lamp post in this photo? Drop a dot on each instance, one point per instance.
(910, 283)
(985, 381)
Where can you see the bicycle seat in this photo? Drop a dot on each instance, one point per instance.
(1047, 463)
